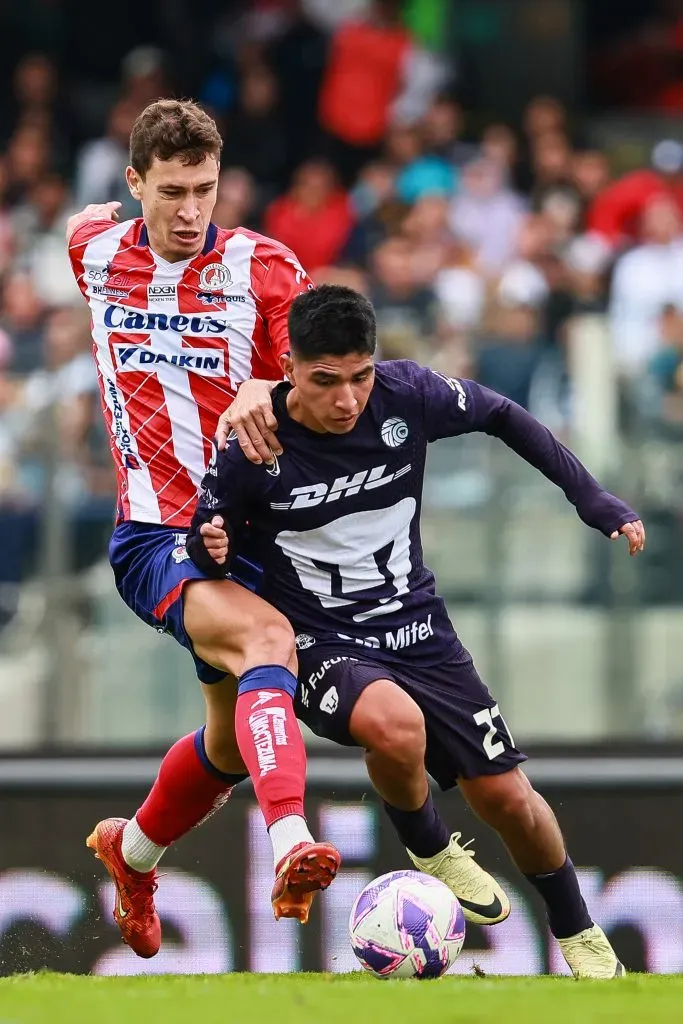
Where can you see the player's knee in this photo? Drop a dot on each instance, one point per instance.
(505, 797)
(396, 731)
(271, 642)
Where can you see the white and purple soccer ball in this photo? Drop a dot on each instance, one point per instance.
(406, 925)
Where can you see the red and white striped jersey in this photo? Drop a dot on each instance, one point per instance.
(172, 342)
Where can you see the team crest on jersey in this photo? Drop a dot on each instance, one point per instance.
(394, 432)
(179, 554)
(304, 641)
(214, 278)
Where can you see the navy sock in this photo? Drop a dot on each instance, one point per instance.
(567, 912)
(423, 832)
(228, 778)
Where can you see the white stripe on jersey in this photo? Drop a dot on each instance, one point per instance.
(143, 501)
(237, 256)
(183, 412)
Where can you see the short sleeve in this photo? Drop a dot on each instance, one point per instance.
(284, 279)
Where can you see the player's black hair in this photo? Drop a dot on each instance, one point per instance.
(331, 320)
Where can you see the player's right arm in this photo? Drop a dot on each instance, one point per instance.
(92, 213)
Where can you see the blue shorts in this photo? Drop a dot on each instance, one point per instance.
(151, 567)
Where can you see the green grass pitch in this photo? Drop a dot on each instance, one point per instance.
(336, 999)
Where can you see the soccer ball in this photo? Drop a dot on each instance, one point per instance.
(406, 925)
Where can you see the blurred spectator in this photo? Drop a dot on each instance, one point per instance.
(426, 228)
(486, 215)
(35, 102)
(143, 74)
(616, 213)
(40, 224)
(255, 136)
(236, 201)
(665, 369)
(544, 115)
(645, 280)
(442, 128)
(406, 310)
(100, 173)
(460, 290)
(6, 229)
(28, 155)
(551, 162)
(68, 380)
(349, 277)
(590, 175)
(523, 281)
(586, 260)
(363, 77)
(298, 59)
(378, 211)
(499, 144)
(507, 357)
(22, 319)
(314, 218)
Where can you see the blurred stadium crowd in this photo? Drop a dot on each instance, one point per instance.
(345, 137)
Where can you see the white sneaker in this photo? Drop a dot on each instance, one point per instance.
(481, 898)
(590, 955)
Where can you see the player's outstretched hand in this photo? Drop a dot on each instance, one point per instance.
(215, 539)
(95, 211)
(634, 533)
(251, 417)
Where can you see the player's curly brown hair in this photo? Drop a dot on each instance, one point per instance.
(168, 128)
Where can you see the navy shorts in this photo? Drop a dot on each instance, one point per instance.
(466, 733)
(151, 566)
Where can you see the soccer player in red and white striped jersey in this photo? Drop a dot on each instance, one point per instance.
(183, 315)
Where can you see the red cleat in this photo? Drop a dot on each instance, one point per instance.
(307, 868)
(134, 910)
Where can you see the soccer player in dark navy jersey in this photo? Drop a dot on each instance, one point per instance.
(336, 524)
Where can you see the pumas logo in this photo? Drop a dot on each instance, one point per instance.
(394, 432)
(330, 701)
(214, 278)
(343, 487)
(205, 361)
(304, 641)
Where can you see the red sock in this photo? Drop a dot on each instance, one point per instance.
(187, 789)
(273, 750)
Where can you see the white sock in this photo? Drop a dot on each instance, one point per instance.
(139, 852)
(287, 832)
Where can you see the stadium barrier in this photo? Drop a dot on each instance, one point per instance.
(621, 815)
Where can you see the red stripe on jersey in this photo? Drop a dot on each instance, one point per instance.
(78, 241)
(170, 599)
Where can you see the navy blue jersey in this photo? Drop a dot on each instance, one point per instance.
(336, 519)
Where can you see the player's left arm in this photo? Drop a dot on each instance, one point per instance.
(222, 511)
(251, 415)
(454, 407)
